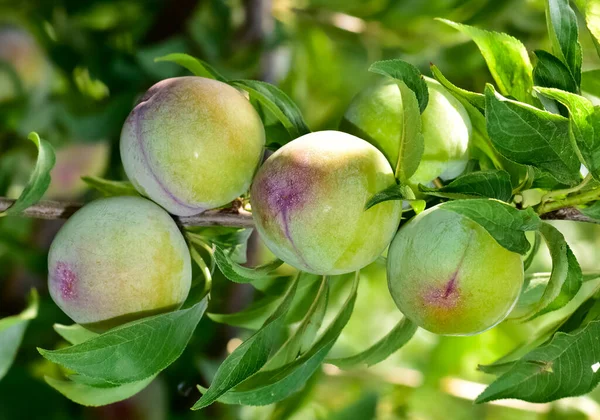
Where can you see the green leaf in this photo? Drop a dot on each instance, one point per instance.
(410, 145)
(592, 211)
(475, 99)
(565, 367)
(134, 351)
(110, 188)
(240, 274)
(549, 71)
(384, 348)
(530, 136)
(532, 252)
(276, 101)
(74, 334)
(506, 224)
(407, 73)
(193, 64)
(391, 193)
(249, 356)
(12, 329)
(506, 58)
(39, 179)
(304, 335)
(253, 317)
(584, 121)
(592, 20)
(490, 184)
(97, 396)
(590, 81)
(564, 35)
(565, 279)
(270, 386)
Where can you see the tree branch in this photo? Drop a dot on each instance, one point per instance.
(569, 213)
(233, 216)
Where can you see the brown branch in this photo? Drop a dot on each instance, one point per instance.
(234, 216)
(569, 213)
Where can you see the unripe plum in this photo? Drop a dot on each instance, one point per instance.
(192, 144)
(376, 115)
(448, 275)
(308, 203)
(118, 259)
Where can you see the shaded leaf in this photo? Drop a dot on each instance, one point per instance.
(391, 193)
(490, 184)
(475, 99)
(549, 71)
(74, 334)
(564, 35)
(110, 188)
(240, 274)
(411, 145)
(193, 64)
(407, 73)
(252, 317)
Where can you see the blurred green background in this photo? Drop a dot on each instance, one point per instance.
(72, 70)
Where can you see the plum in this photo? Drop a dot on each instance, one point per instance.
(192, 144)
(375, 115)
(308, 202)
(118, 259)
(448, 275)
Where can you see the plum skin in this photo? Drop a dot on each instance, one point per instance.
(118, 259)
(192, 144)
(448, 275)
(308, 202)
(375, 115)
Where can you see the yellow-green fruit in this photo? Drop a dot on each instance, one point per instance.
(308, 203)
(448, 275)
(192, 144)
(25, 60)
(376, 115)
(118, 259)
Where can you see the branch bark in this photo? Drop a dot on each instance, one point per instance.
(234, 216)
(569, 213)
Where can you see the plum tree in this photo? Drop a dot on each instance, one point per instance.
(25, 60)
(192, 144)
(118, 259)
(308, 203)
(448, 275)
(375, 115)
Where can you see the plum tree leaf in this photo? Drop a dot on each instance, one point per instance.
(270, 386)
(506, 58)
(134, 351)
(406, 73)
(564, 35)
(391, 193)
(250, 356)
(389, 344)
(590, 81)
(506, 224)
(411, 145)
(12, 329)
(564, 367)
(252, 317)
(74, 334)
(239, 274)
(592, 20)
(549, 71)
(193, 64)
(110, 188)
(475, 99)
(530, 136)
(91, 396)
(278, 103)
(584, 120)
(491, 184)
(39, 179)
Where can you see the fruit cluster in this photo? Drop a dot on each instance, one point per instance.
(193, 144)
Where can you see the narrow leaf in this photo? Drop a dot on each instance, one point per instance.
(110, 188)
(490, 184)
(39, 179)
(407, 73)
(193, 64)
(475, 99)
(239, 274)
(565, 367)
(134, 351)
(276, 101)
(384, 348)
(550, 72)
(564, 35)
(530, 136)
(12, 329)
(393, 192)
(74, 334)
(250, 356)
(506, 224)
(410, 145)
(252, 317)
(506, 58)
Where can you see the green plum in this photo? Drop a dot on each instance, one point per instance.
(448, 275)
(375, 115)
(118, 259)
(192, 144)
(308, 202)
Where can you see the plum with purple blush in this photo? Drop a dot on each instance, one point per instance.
(449, 275)
(308, 202)
(116, 260)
